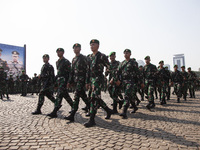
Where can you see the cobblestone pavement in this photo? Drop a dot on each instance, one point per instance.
(173, 126)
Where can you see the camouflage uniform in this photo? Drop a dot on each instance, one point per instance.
(139, 89)
(78, 77)
(11, 85)
(113, 89)
(177, 80)
(17, 85)
(34, 85)
(168, 89)
(47, 78)
(24, 79)
(129, 75)
(3, 76)
(64, 69)
(185, 84)
(150, 76)
(191, 83)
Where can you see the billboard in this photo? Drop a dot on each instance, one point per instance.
(13, 59)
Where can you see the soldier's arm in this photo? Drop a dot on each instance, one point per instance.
(88, 70)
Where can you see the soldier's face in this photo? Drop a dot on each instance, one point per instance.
(147, 61)
(161, 65)
(189, 70)
(141, 68)
(60, 53)
(15, 58)
(175, 68)
(112, 57)
(127, 55)
(77, 50)
(94, 47)
(183, 69)
(45, 59)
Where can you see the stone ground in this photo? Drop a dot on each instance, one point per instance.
(173, 126)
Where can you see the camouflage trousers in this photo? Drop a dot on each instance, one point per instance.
(24, 88)
(62, 92)
(184, 90)
(191, 87)
(95, 96)
(168, 91)
(149, 90)
(80, 93)
(141, 92)
(177, 89)
(130, 90)
(162, 90)
(48, 92)
(115, 93)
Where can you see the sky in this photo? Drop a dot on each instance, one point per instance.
(158, 28)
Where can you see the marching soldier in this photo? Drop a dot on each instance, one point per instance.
(47, 78)
(17, 85)
(10, 85)
(129, 74)
(77, 79)
(34, 84)
(150, 76)
(64, 68)
(94, 80)
(177, 81)
(113, 89)
(24, 79)
(185, 82)
(141, 90)
(168, 90)
(192, 77)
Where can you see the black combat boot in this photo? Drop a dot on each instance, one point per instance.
(135, 108)
(37, 111)
(108, 111)
(178, 100)
(71, 116)
(53, 114)
(121, 102)
(153, 104)
(114, 111)
(91, 122)
(124, 116)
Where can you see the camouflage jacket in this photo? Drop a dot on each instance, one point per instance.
(3, 76)
(24, 78)
(177, 77)
(47, 76)
(96, 65)
(192, 76)
(113, 69)
(64, 68)
(79, 69)
(163, 75)
(185, 76)
(150, 72)
(128, 72)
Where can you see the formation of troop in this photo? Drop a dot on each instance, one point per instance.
(125, 80)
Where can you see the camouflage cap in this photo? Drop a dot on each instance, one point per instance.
(175, 66)
(147, 57)
(112, 53)
(76, 45)
(182, 66)
(127, 50)
(45, 55)
(15, 53)
(161, 62)
(60, 49)
(94, 41)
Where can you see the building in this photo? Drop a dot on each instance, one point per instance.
(179, 59)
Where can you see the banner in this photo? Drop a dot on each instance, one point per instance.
(13, 59)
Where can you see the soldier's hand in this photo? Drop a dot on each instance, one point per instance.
(142, 85)
(111, 81)
(171, 84)
(118, 83)
(87, 86)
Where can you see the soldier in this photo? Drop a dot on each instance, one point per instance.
(64, 68)
(47, 78)
(177, 81)
(15, 65)
(185, 82)
(192, 77)
(3, 76)
(150, 76)
(141, 90)
(77, 78)
(3, 63)
(113, 89)
(94, 80)
(162, 82)
(168, 90)
(34, 84)
(24, 79)
(11, 85)
(129, 74)
(17, 85)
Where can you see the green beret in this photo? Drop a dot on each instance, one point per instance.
(15, 53)
(23, 70)
(94, 41)
(166, 67)
(45, 55)
(182, 66)
(189, 68)
(1, 67)
(76, 45)
(175, 66)
(35, 73)
(161, 62)
(127, 50)
(112, 53)
(60, 49)
(147, 57)
(140, 66)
